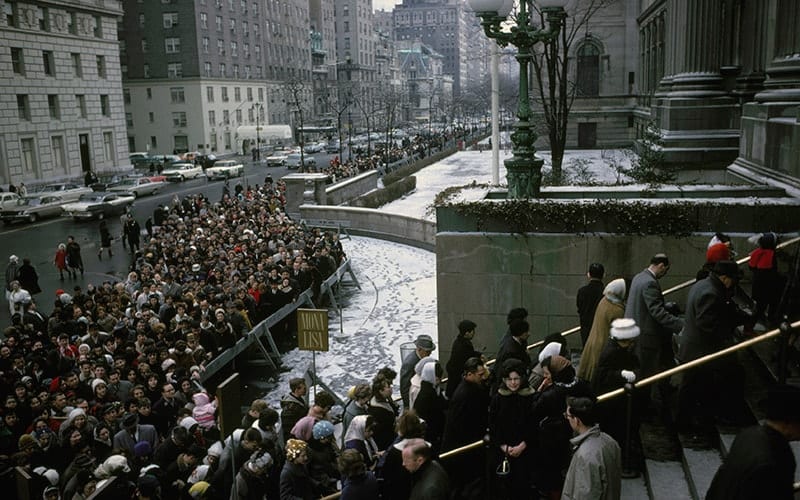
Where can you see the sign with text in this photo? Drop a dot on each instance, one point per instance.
(312, 329)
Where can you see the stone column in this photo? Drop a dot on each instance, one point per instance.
(753, 50)
(304, 189)
(783, 69)
(696, 45)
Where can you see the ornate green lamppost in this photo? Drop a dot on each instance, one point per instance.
(524, 169)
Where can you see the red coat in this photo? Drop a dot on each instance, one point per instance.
(60, 259)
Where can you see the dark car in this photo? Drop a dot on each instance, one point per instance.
(98, 206)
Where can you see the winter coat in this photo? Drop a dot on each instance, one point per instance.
(760, 464)
(203, 410)
(430, 406)
(292, 410)
(607, 312)
(28, 279)
(430, 482)
(461, 351)
(296, 483)
(586, 301)
(351, 411)
(384, 413)
(363, 487)
(595, 469)
(511, 349)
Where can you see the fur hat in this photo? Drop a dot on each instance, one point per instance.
(97, 382)
(198, 489)
(624, 329)
(551, 349)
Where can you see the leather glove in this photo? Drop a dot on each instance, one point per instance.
(628, 375)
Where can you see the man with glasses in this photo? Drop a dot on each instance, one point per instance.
(595, 470)
(646, 306)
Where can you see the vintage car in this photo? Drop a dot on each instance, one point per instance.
(182, 171)
(277, 159)
(225, 169)
(33, 208)
(315, 147)
(293, 161)
(67, 191)
(98, 205)
(8, 200)
(136, 186)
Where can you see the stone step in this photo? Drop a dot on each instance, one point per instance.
(700, 467)
(667, 481)
(634, 489)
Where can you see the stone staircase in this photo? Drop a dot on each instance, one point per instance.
(676, 467)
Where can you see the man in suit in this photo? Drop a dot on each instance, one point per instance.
(588, 297)
(424, 346)
(646, 306)
(132, 432)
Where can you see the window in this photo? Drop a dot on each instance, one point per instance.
(129, 119)
(172, 45)
(105, 108)
(23, 107)
(227, 138)
(179, 119)
(10, 12)
(101, 66)
(204, 20)
(224, 94)
(126, 96)
(234, 49)
(108, 145)
(98, 27)
(49, 63)
(238, 116)
(245, 28)
(232, 24)
(210, 94)
(246, 49)
(181, 143)
(219, 23)
(146, 70)
(223, 71)
(77, 68)
(221, 47)
(346, 26)
(174, 70)
(149, 92)
(17, 61)
(52, 106)
(80, 101)
(255, 8)
(177, 94)
(237, 94)
(141, 20)
(257, 51)
(170, 19)
(249, 94)
(151, 117)
(256, 30)
(28, 149)
(213, 141)
(212, 118)
(205, 45)
(144, 46)
(207, 68)
(346, 11)
(236, 71)
(588, 70)
(59, 156)
(123, 48)
(260, 94)
(153, 142)
(226, 117)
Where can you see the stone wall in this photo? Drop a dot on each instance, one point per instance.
(352, 188)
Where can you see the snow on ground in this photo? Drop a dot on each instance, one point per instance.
(397, 302)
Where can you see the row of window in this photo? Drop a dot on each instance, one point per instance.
(29, 152)
(277, 28)
(26, 16)
(20, 64)
(237, 94)
(55, 106)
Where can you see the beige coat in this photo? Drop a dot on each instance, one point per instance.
(607, 312)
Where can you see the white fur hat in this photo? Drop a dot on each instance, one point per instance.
(624, 329)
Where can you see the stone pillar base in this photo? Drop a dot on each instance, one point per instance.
(770, 141)
(304, 189)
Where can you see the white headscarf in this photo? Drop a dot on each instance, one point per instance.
(356, 432)
(615, 291)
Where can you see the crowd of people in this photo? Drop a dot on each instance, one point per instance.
(104, 392)
(95, 380)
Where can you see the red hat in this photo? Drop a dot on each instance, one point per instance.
(59, 292)
(718, 252)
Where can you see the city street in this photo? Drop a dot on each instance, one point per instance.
(38, 241)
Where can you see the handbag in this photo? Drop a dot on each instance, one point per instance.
(504, 468)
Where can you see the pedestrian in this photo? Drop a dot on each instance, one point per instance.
(122, 220)
(611, 307)
(60, 260)
(423, 347)
(767, 283)
(588, 297)
(428, 478)
(293, 405)
(18, 299)
(133, 231)
(431, 404)
(512, 437)
(716, 388)
(760, 463)
(22, 191)
(358, 483)
(595, 470)
(12, 272)
(28, 278)
(515, 346)
(74, 259)
(461, 351)
(105, 240)
(646, 306)
(295, 480)
(251, 481)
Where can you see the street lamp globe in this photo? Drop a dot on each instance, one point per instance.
(487, 5)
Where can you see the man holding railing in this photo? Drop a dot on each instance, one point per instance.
(646, 306)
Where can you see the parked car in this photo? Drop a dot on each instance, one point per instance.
(314, 147)
(33, 208)
(138, 157)
(225, 169)
(8, 200)
(190, 156)
(98, 206)
(182, 171)
(67, 191)
(136, 186)
(332, 147)
(293, 161)
(105, 181)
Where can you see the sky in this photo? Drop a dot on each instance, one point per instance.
(384, 4)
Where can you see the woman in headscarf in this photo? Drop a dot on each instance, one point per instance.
(431, 405)
(610, 307)
(359, 437)
(512, 436)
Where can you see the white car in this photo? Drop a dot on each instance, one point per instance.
(225, 169)
(315, 147)
(293, 161)
(136, 186)
(67, 191)
(182, 171)
(277, 159)
(8, 200)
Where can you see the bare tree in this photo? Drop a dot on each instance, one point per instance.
(339, 98)
(390, 101)
(297, 99)
(551, 70)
